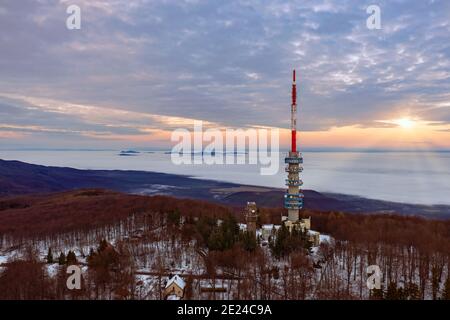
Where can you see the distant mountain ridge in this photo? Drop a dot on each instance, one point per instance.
(19, 178)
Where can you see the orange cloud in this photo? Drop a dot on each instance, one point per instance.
(422, 136)
(11, 135)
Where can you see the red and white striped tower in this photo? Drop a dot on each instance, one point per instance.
(293, 199)
(294, 115)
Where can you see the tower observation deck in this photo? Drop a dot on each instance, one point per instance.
(293, 199)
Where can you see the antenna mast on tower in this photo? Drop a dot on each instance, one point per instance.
(293, 199)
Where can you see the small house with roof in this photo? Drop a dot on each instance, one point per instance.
(174, 288)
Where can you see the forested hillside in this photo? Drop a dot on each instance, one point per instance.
(128, 246)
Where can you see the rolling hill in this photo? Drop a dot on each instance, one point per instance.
(19, 178)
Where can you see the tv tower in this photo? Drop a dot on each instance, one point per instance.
(293, 199)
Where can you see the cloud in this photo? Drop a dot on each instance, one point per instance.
(143, 63)
(23, 116)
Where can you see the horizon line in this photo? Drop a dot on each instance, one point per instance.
(308, 149)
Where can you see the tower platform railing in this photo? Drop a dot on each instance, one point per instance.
(292, 160)
(293, 169)
(294, 183)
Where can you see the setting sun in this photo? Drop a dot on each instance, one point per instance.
(404, 123)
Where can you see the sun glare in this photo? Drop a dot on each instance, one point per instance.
(404, 123)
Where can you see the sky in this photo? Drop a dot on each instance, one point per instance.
(137, 70)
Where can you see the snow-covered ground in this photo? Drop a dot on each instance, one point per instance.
(158, 255)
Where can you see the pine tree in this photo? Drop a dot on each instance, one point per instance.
(377, 294)
(50, 256)
(215, 240)
(204, 227)
(446, 292)
(392, 292)
(307, 244)
(248, 241)
(230, 232)
(401, 294)
(62, 259)
(103, 245)
(278, 245)
(412, 291)
(71, 258)
(173, 217)
(289, 241)
(224, 236)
